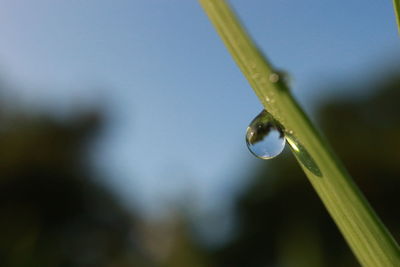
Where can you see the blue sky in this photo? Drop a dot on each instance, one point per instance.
(177, 105)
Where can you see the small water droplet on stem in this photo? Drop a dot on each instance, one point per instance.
(274, 77)
(264, 138)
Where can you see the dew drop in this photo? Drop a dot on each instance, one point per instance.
(274, 77)
(264, 137)
(281, 76)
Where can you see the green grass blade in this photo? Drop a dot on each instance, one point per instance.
(396, 6)
(368, 238)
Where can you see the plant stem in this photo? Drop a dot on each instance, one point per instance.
(396, 6)
(366, 235)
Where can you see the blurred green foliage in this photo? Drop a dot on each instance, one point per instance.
(56, 212)
(53, 210)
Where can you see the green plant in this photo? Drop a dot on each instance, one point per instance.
(396, 6)
(368, 238)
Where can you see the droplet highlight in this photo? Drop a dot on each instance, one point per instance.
(274, 77)
(264, 138)
(302, 155)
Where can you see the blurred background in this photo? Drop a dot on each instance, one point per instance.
(122, 132)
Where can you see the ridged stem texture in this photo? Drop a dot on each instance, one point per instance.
(368, 238)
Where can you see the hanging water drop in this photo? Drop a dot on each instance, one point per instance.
(264, 137)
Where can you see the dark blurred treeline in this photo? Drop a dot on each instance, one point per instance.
(53, 211)
(56, 212)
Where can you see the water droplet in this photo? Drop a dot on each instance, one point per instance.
(282, 77)
(274, 77)
(264, 137)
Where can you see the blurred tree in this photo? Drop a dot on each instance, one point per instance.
(172, 244)
(281, 221)
(53, 210)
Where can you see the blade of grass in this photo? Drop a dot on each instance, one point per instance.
(368, 238)
(396, 6)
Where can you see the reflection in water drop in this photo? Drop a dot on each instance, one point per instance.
(264, 138)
